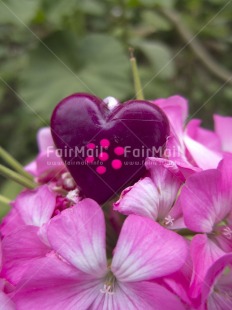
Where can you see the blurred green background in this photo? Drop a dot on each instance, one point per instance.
(51, 48)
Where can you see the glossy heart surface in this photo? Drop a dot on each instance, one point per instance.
(103, 149)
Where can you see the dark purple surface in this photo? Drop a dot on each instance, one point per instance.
(82, 119)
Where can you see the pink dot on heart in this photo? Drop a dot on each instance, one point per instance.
(105, 143)
(119, 150)
(91, 146)
(101, 169)
(103, 156)
(116, 164)
(89, 159)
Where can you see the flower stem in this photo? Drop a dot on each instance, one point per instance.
(14, 164)
(16, 177)
(5, 200)
(137, 82)
(186, 232)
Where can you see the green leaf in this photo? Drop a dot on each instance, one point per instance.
(2, 90)
(92, 7)
(132, 3)
(161, 3)
(3, 51)
(96, 64)
(155, 20)
(56, 10)
(18, 12)
(159, 57)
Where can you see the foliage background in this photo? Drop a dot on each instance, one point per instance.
(51, 48)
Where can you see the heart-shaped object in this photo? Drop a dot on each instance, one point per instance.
(103, 149)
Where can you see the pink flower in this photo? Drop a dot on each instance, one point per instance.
(204, 253)
(56, 253)
(206, 201)
(189, 147)
(217, 286)
(21, 245)
(31, 207)
(48, 166)
(223, 129)
(154, 196)
(79, 276)
(203, 136)
(180, 280)
(202, 146)
(5, 302)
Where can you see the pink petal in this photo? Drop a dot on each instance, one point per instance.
(167, 180)
(78, 235)
(225, 166)
(176, 214)
(204, 136)
(176, 109)
(32, 168)
(36, 206)
(152, 197)
(163, 170)
(0, 254)
(52, 284)
(49, 163)
(145, 250)
(223, 237)
(223, 128)
(219, 301)
(142, 199)
(204, 157)
(138, 295)
(201, 201)
(179, 281)
(11, 222)
(204, 253)
(5, 302)
(217, 286)
(19, 250)
(176, 153)
(44, 138)
(2, 284)
(43, 234)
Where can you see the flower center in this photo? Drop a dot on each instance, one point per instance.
(109, 284)
(224, 230)
(168, 220)
(73, 196)
(227, 232)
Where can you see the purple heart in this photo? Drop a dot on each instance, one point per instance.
(105, 150)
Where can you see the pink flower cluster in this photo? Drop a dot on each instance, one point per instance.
(165, 244)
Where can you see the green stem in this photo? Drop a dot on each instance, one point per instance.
(14, 176)
(137, 82)
(186, 232)
(14, 164)
(4, 200)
